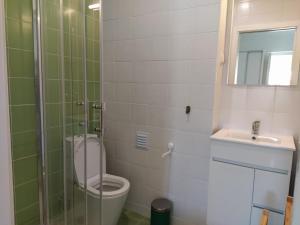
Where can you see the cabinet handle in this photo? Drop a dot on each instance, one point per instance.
(249, 165)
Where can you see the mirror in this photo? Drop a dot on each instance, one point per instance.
(264, 57)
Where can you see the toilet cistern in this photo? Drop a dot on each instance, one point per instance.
(171, 147)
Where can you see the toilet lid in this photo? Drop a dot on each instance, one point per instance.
(93, 158)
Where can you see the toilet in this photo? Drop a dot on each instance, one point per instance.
(115, 189)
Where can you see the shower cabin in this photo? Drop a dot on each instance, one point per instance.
(67, 67)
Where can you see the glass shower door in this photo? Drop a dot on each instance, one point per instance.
(68, 59)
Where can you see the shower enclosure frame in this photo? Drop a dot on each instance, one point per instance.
(40, 98)
(6, 173)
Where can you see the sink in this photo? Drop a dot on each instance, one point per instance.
(284, 142)
(247, 136)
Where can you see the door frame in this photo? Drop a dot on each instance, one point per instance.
(6, 174)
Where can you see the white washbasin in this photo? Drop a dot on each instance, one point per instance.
(284, 142)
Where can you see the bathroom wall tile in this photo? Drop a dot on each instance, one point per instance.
(55, 183)
(25, 170)
(110, 30)
(240, 99)
(55, 161)
(52, 91)
(19, 34)
(124, 92)
(123, 50)
(255, 96)
(184, 4)
(54, 138)
(22, 91)
(28, 215)
(285, 123)
(124, 28)
(143, 49)
(26, 10)
(285, 99)
(200, 96)
(11, 6)
(52, 41)
(192, 144)
(52, 66)
(24, 144)
(124, 72)
(110, 9)
(23, 118)
(53, 115)
(27, 35)
(14, 36)
(26, 194)
(24, 60)
(109, 49)
(163, 60)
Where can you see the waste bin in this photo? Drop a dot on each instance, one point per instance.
(161, 211)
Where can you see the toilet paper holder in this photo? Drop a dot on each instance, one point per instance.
(171, 147)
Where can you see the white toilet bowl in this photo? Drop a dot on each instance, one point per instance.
(115, 189)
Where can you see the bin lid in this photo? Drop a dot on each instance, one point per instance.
(161, 205)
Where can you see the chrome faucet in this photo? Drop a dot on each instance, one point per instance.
(255, 127)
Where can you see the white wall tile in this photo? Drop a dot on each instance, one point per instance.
(124, 28)
(160, 56)
(260, 99)
(123, 72)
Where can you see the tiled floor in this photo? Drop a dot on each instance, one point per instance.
(131, 218)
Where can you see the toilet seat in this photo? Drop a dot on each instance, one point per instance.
(118, 186)
(113, 186)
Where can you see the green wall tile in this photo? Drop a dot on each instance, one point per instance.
(19, 34)
(12, 7)
(53, 115)
(22, 91)
(96, 46)
(52, 40)
(55, 161)
(52, 16)
(20, 63)
(26, 194)
(27, 35)
(24, 144)
(13, 32)
(56, 206)
(53, 91)
(25, 170)
(77, 45)
(52, 66)
(28, 216)
(96, 71)
(23, 118)
(26, 10)
(54, 138)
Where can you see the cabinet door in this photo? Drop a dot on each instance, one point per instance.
(274, 218)
(271, 189)
(230, 194)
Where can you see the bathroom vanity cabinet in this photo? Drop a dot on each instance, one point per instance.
(246, 178)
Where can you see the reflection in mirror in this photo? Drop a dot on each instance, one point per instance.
(265, 57)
